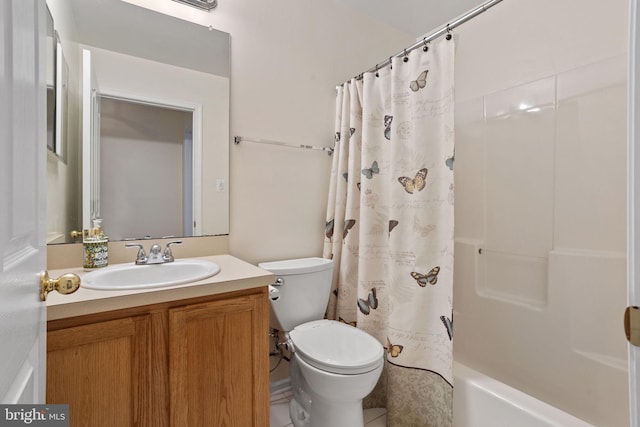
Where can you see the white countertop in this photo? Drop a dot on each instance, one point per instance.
(234, 275)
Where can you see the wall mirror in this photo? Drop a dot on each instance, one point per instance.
(128, 68)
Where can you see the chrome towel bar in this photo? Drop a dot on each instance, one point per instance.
(238, 139)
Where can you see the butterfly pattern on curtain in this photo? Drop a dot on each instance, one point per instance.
(389, 225)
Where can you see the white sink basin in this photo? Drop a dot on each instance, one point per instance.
(131, 276)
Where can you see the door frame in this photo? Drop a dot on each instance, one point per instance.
(633, 202)
(196, 142)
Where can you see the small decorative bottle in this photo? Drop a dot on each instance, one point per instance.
(96, 246)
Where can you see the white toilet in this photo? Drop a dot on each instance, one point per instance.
(334, 365)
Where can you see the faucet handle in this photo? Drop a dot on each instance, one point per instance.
(168, 256)
(141, 258)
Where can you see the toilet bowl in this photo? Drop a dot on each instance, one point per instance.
(334, 365)
(339, 365)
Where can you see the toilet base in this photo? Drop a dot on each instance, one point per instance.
(309, 409)
(299, 417)
(327, 414)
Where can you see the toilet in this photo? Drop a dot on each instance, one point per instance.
(333, 365)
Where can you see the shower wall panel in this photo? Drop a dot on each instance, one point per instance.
(540, 275)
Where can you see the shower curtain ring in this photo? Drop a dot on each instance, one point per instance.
(391, 63)
(424, 41)
(377, 75)
(406, 58)
(448, 33)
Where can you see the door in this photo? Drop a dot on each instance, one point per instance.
(22, 211)
(633, 208)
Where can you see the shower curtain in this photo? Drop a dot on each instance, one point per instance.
(389, 227)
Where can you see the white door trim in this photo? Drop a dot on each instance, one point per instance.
(633, 203)
(196, 111)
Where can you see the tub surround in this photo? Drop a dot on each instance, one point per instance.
(540, 188)
(182, 355)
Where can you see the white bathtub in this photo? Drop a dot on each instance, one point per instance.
(481, 401)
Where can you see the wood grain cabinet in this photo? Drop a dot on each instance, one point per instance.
(198, 362)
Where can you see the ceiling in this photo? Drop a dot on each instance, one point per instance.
(416, 17)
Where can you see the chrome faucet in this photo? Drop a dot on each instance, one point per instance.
(155, 256)
(141, 258)
(168, 256)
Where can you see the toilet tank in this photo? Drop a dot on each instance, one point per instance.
(304, 292)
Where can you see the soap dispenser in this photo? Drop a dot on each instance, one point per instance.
(96, 246)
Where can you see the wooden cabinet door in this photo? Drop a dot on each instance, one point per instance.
(218, 363)
(102, 371)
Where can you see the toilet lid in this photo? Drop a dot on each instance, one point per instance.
(336, 347)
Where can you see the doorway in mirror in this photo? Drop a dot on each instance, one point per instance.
(158, 200)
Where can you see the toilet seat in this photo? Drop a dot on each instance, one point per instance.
(336, 347)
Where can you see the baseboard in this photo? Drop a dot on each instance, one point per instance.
(280, 386)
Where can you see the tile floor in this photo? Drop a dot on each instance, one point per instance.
(375, 417)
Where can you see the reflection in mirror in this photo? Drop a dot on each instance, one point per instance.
(62, 94)
(159, 203)
(168, 62)
(51, 79)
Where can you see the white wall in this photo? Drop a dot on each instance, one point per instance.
(286, 58)
(540, 188)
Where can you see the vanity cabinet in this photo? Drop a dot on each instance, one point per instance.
(197, 362)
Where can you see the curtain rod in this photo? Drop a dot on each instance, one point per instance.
(238, 139)
(434, 35)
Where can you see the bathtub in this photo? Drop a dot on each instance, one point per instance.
(481, 401)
